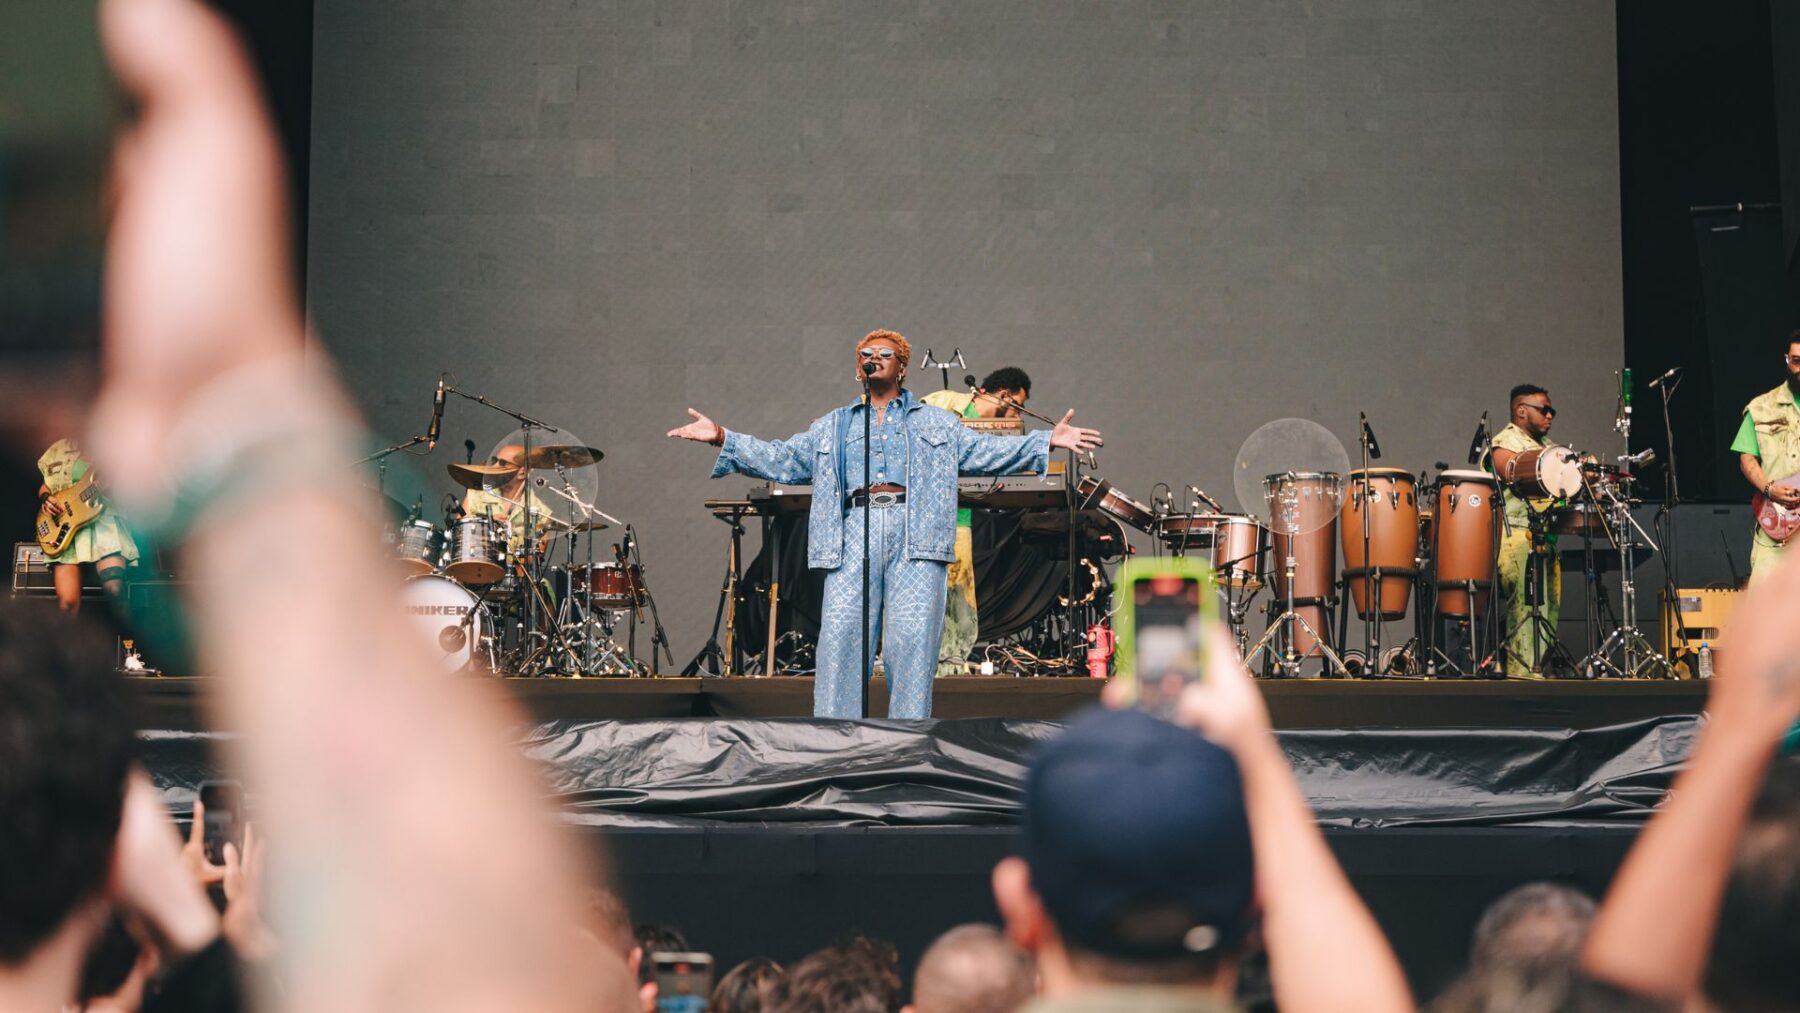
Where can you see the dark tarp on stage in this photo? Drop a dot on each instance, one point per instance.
(692, 773)
(746, 833)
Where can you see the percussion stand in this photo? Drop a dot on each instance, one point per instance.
(722, 660)
(1371, 574)
(1636, 652)
(1289, 660)
(636, 570)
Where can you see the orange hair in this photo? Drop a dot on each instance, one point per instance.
(903, 346)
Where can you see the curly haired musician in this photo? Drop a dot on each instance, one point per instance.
(103, 542)
(915, 453)
(1768, 449)
(998, 397)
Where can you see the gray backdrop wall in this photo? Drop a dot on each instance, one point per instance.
(1183, 218)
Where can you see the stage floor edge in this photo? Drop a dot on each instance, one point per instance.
(174, 703)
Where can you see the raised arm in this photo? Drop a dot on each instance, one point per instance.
(1325, 950)
(417, 867)
(1655, 928)
(790, 460)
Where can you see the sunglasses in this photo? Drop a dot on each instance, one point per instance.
(1548, 411)
(870, 353)
(1792, 360)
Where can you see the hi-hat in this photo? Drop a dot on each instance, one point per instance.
(561, 456)
(481, 476)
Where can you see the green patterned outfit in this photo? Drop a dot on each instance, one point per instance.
(62, 466)
(1770, 433)
(962, 626)
(1523, 655)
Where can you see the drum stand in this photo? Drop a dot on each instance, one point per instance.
(1545, 647)
(1638, 658)
(1288, 660)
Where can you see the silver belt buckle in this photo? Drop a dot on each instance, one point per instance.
(884, 499)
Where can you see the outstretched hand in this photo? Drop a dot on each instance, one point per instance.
(1072, 437)
(701, 430)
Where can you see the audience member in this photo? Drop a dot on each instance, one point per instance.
(1659, 920)
(861, 976)
(749, 987)
(1534, 925)
(1502, 987)
(973, 969)
(1755, 961)
(1157, 917)
(651, 940)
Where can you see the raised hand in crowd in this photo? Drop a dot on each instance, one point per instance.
(432, 875)
(1654, 928)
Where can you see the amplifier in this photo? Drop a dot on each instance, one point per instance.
(31, 574)
(1704, 611)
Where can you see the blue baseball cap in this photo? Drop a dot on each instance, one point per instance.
(1137, 839)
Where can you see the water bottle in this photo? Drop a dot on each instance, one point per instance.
(1703, 663)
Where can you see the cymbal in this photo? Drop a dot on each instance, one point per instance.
(591, 525)
(564, 456)
(479, 476)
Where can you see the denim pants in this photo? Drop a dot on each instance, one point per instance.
(906, 609)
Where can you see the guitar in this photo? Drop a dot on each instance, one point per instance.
(1777, 521)
(80, 503)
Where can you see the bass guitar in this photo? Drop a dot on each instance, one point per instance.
(1777, 521)
(80, 505)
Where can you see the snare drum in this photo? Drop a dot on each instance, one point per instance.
(613, 586)
(477, 551)
(1240, 547)
(418, 545)
(1463, 551)
(1393, 517)
(450, 618)
(1551, 472)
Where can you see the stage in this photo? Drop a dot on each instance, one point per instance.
(1293, 703)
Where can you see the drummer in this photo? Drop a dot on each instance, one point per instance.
(500, 501)
(1529, 430)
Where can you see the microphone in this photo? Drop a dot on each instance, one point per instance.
(1659, 381)
(437, 416)
(869, 368)
(1479, 438)
(1200, 494)
(970, 382)
(1369, 437)
(469, 451)
(1644, 456)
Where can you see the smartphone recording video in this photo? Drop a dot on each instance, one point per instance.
(683, 981)
(1161, 628)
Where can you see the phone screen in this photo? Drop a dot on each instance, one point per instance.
(683, 981)
(224, 802)
(1161, 628)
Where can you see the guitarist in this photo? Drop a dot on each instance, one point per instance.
(1768, 448)
(103, 542)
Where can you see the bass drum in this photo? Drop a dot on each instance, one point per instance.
(451, 619)
(1465, 527)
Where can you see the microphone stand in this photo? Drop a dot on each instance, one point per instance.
(380, 458)
(1671, 499)
(532, 564)
(868, 658)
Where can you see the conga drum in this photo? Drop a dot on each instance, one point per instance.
(1316, 496)
(1463, 553)
(1386, 496)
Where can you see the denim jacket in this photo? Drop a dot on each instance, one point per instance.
(939, 448)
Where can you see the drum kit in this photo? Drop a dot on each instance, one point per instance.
(509, 584)
(1407, 544)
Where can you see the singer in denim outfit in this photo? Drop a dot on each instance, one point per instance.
(915, 455)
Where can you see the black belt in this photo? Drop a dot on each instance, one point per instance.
(879, 499)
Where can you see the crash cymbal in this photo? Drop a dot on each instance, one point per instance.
(481, 476)
(563, 456)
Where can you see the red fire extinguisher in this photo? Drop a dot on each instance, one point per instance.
(1100, 650)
